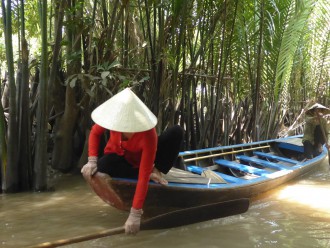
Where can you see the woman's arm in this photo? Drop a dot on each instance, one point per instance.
(149, 144)
(94, 140)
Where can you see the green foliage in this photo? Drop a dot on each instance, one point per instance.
(32, 23)
(102, 81)
(317, 48)
(32, 19)
(2, 55)
(200, 63)
(296, 22)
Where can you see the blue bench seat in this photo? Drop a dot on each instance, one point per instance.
(242, 167)
(263, 162)
(293, 147)
(228, 178)
(274, 157)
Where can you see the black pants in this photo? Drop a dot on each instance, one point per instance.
(168, 147)
(311, 150)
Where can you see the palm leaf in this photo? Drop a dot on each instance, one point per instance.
(298, 17)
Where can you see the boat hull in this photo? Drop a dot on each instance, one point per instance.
(119, 192)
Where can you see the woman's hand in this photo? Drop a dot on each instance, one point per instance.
(90, 168)
(133, 222)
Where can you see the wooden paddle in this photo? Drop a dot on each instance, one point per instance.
(172, 219)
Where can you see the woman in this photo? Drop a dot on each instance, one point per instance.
(133, 149)
(316, 130)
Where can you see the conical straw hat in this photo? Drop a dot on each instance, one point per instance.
(124, 112)
(323, 109)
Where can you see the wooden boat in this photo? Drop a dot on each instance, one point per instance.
(216, 174)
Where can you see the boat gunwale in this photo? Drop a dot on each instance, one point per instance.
(217, 148)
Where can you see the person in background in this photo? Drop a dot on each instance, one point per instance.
(316, 130)
(133, 150)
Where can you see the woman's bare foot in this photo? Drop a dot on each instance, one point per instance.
(157, 177)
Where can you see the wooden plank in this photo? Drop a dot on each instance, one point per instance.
(277, 158)
(263, 162)
(242, 167)
(180, 176)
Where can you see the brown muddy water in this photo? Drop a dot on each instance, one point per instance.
(294, 215)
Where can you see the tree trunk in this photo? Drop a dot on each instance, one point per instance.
(41, 158)
(24, 161)
(62, 158)
(11, 176)
(63, 142)
(3, 149)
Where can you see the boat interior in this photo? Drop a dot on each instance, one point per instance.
(238, 163)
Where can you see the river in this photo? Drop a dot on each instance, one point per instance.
(294, 215)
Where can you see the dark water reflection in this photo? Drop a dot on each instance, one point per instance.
(295, 215)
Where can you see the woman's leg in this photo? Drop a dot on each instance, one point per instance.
(116, 166)
(169, 144)
(319, 140)
(308, 149)
(318, 135)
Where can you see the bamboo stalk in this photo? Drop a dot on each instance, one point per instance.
(172, 219)
(225, 153)
(61, 242)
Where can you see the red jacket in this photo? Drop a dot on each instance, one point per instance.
(139, 151)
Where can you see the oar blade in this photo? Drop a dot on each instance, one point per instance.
(197, 214)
